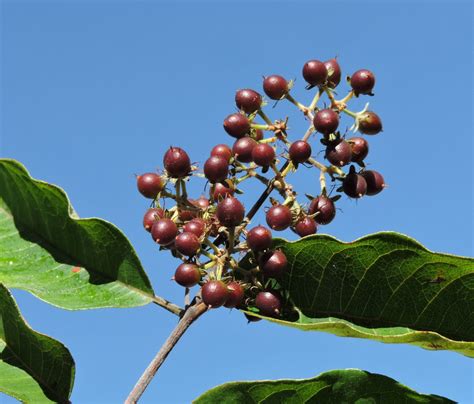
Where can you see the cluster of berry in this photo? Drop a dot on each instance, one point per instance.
(207, 233)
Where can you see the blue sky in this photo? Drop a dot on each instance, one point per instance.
(93, 92)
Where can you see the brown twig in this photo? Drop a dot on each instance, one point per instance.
(190, 315)
(171, 307)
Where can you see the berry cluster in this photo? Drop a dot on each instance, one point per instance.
(207, 234)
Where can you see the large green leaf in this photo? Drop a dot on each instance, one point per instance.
(336, 386)
(385, 287)
(66, 261)
(34, 368)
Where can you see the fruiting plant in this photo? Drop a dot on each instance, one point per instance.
(214, 245)
(226, 260)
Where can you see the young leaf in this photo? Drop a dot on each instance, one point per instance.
(385, 287)
(34, 368)
(69, 262)
(336, 386)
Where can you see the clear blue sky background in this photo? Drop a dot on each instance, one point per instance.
(95, 91)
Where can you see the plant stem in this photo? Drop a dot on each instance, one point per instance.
(171, 307)
(190, 315)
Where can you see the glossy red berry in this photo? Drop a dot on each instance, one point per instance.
(326, 121)
(375, 182)
(243, 148)
(306, 226)
(300, 151)
(279, 217)
(196, 226)
(259, 238)
(202, 202)
(315, 73)
(248, 100)
(236, 295)
(222, 150)
(216, 169)
(187, 243)
(230, 212)
(268, 303)
(164, 231)
(339, 153)
(221, 191)
(214, 293)
(334, 72)
(354, 185)
(275, 87)
(369, 123)
(151, 216)
(149, 185)
(359, 148)
(187, 275)
(176, 162)
(273, 264)
(237, 125)
(258, 134)
(325, 209)
(363, 81)
(263, 154)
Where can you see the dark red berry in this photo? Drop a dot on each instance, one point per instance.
(214, 293)
(243, 148)
(151, 216)
(221, 191)
(187, 275)
(369, 123)
(149, 185)
(230, 212)
(276, 87)
(251, 319)
(360, 149)
(375, 182)
(202, 202)
(259, 238)
(187, 243)
(164, 231)
(326, 121)
(263, 154)
(306, 226)
(177, 162)
(339, 153)
(273, 264)
(216, 169)
(258, 134)
(222, 150)
(363, 81)
(300, 151)
(354, 185)
(196, 226)
(334, 72)
(315, 73)
(237, 125)
(268, 303)
(325, 209)
(279, 217)
(236, 295)
(248, 100)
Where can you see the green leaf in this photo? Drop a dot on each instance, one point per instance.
(69, 262)
(336, 386)
(385, 287)
(34, 368)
